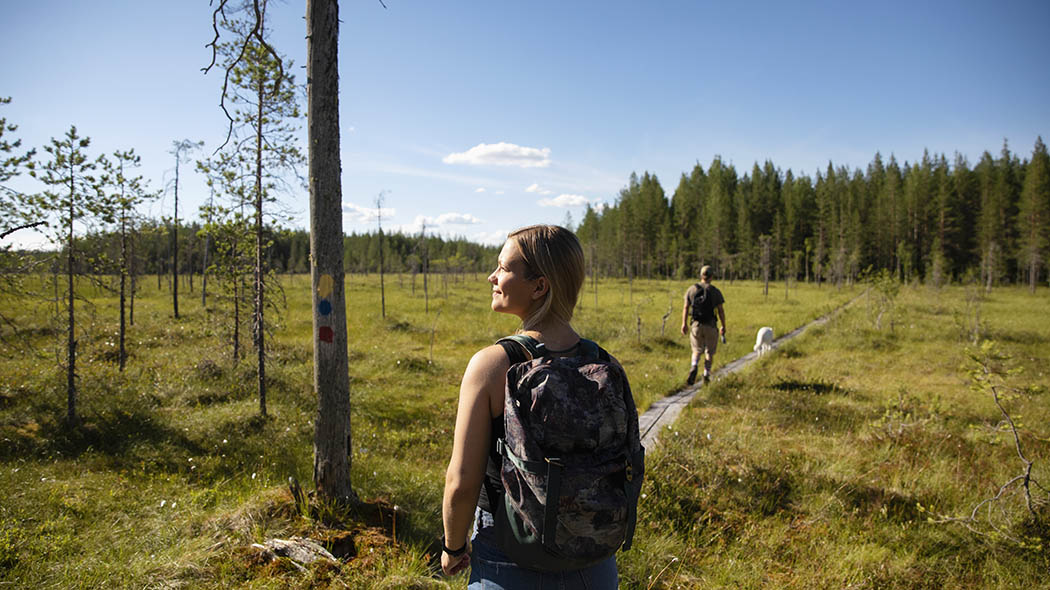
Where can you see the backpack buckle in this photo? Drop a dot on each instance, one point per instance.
(629, 471)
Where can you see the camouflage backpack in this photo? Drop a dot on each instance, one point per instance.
(573, 461)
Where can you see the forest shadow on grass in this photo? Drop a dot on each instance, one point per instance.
(870, 500)
(1014, 336)
(790, 403)
(869, 339)
(813, 412)
(811, 387)
(111, 433)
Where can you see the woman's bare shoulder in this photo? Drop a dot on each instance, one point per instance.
(487, 363)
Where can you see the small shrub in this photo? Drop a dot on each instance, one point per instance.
(10, 540)
(208, 370)
(414, 364)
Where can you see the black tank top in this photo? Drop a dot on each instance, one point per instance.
(492, 481)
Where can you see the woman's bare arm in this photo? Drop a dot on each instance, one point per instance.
(484, 379)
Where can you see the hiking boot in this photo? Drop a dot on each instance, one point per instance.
(707, 378)
(692, 377)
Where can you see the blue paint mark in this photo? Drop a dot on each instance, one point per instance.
(324, 307)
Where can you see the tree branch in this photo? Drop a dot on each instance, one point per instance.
(255, 33)
(26, 226)
(215, 41)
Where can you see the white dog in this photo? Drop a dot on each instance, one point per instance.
(764, 340)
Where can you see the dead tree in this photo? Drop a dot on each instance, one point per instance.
(332, 434)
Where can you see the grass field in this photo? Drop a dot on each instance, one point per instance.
(817, 461)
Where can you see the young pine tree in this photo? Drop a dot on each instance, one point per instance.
(72, 194)
(263, 135)
(123, 192)
(180, 149)
(13, 216)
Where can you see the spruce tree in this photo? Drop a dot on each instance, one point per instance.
(1033, 219)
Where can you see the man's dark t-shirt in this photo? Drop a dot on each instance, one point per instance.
(715, 297)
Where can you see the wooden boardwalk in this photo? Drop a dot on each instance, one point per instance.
(662, 413)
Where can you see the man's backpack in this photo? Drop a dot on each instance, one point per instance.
(703, 305)
(573, 461)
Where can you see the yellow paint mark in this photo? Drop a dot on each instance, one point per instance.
(325, 285)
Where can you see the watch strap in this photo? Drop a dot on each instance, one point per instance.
(453, 552)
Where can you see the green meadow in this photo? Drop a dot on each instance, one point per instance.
(822, 465)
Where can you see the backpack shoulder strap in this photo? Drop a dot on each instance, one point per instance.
(590, 349)
(521, 348)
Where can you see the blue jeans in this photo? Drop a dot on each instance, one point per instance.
(490, 569)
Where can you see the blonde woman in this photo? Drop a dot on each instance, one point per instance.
(538, 276)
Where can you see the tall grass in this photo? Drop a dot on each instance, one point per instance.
(824, 465)
(173, 475)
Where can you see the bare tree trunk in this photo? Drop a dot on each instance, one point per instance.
(131, 270)
(258, 326)
(204, 273)
(1033, 271)
(123, 280)
(175, 243)
(382, 287)
(425, 263)
(332, 434)
(204, 264)
(237, 320)
(765, 240)
(71, 350)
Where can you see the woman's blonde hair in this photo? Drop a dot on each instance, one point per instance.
(553, 252)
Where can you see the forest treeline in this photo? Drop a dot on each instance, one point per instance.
(287, 251)
(933, 220)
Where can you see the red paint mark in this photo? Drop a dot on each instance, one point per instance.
(326, 334)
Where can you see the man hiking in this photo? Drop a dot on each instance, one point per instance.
(702, 300)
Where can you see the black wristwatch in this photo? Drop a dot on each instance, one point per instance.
(453, 552)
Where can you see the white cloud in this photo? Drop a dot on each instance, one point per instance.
(564, 201)
(502, 154)
(491, 238)
(366, 214)
(456, 219)
(437, 224)
(535, 188)
(499, 192)
(480, 189)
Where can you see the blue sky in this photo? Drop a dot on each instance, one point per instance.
(479, 117)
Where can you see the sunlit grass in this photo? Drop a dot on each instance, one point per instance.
(826, 460)
(173, 474)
